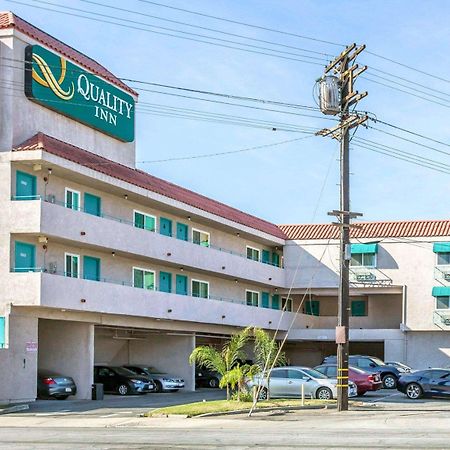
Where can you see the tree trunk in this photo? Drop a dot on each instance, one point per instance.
(228, 392)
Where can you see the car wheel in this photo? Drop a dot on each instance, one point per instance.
(389, 381)
(324, 393)
(213, 383)
(158, 386)
(123, 389)
(413, 391)
(263, 394)
(61, 397)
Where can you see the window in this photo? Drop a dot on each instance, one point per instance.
(253, 253)
(296, 375)
(442, 302)
(359, 308)
(252, 298)
(71, 265)
(200, 289)
(144, 221)
(2, 333)
(312, 307)
(286, 304)
(443, 259)
(363, 260)
(200, 237)
(143, 278)
(279, 373)
(72, 199)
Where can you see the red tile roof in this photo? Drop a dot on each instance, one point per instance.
(410, 228)
(144, 180)
(10, 20)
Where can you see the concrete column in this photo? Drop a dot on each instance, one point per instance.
(18, 361)
(394, 350)
(68, 349)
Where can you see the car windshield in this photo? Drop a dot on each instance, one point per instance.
(123, 371)
(377, 361)
(314, 373)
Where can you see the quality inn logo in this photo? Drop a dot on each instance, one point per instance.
(64, 87)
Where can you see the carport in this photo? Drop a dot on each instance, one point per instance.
(166, 351)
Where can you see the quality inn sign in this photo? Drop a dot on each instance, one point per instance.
(56, 83)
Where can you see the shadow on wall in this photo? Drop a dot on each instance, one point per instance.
(385, 260)
(309, 266)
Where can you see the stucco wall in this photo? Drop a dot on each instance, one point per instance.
(426, 349)
(68, 349)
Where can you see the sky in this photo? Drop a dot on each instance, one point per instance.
(297, 181)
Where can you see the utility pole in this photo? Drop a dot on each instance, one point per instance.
(334, 103)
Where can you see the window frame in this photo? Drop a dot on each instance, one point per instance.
(73, 191)
(247, 291)
(249, 247)
(441, 297)
(72, 255)
(370, 266)
(145, 215)
(287, 300)
(199, 281)
(437, 259)
(198, 230)
(143, 284)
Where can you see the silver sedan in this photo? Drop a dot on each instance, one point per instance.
(288, 382)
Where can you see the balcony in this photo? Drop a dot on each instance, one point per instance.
(441, 318)
(368, 276)
(38, 288)
(52, 219)
(442, 274)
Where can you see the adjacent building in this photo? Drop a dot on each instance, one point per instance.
(104, 263)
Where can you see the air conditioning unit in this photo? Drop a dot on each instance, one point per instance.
(52, 267)
(51, 199)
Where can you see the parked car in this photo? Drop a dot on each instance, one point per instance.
(52, 385)
(287, 382)
(118, 380)
(402, 368)
(389, 374)
(206, 378)
(163, 381)
(425, 383)
(364, 380)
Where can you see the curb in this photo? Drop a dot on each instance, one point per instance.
(13, 409)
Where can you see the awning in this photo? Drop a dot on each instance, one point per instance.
(441, 247)
(364, 248)
(441, 291)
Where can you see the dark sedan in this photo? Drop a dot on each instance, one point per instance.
(425, 383)
(118, 380)
(53, 385)
(206, 378)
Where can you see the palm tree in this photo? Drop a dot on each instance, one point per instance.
(267, 351)
(236, 377)
(224, 361)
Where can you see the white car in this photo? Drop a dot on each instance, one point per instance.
(288, 381)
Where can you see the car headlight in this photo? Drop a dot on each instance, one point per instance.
(136, 381)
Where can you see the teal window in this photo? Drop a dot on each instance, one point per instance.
(91, 268)
(265, 299)
(443, 302)
(165, 282)
(181, 283)
(253, 253)
(143, 278)
(2, 332)
(25, 186)
(144, 221)
(265, 257)
(364, 255)
(72, 199)
(165, 226)
(200, 289)
(359, 308)
(286, 304)
(182, 231)
(312, 307)
(71, 265)
(252, 298)
(443, 259)
(276, 259)
(92, 204)
(200, 237)
(24, 257)
(275, 301)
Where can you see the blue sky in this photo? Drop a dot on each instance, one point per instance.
(281, 183)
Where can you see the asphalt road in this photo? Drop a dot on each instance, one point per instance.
(387, 420)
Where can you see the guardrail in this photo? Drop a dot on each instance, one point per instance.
(369, 276)
(441, 319)
(442, 273)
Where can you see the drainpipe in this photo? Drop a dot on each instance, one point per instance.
(404, 328)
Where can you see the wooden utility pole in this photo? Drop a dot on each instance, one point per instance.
(346, 74)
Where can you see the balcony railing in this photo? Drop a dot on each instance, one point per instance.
(51, 271)
(441, 319)
(442, 273)
(53, 200)
(368, 276)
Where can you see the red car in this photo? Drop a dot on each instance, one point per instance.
(365, 381)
